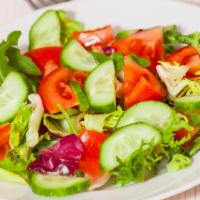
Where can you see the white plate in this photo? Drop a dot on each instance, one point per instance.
(121, 14)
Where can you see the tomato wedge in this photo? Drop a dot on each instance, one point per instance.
(46, 58)
(55, 89)
(3, 151)
(140, 84)
(4, 133)
(145, 43)
(79, 77)
(188, 56)
(89, 163)
(100, 36)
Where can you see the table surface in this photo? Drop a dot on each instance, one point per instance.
(10, 9)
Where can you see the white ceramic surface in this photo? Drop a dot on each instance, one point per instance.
(121, 14)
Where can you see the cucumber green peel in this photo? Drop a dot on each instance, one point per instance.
(124, 142)
(57, 186)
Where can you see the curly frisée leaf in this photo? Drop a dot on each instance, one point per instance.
(138, 166)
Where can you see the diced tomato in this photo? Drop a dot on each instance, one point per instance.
(140, 84)
(45, 58)
(188, 56)
(79, 77)
(3, 151)
(49, 67)
(89, 163)
(100, 36)
(4, 133)
(180, 134)
(145, 43)
(194, 65)
(55, 89)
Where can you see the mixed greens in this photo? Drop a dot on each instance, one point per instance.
(84, 107)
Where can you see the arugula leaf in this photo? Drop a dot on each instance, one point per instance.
(173, 36)
(22, 62)
(12, 40)
(178, 162)
(141, 61)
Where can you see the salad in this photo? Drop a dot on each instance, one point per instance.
(85, 107)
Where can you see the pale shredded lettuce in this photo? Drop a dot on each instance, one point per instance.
(32, 135)
(173, 77)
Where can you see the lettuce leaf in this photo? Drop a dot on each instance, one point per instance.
(32, 134)
(62, 158)
(100, 122)
(178, 162)
(19, 125)
(139, 166)
(57, 123)
(173, 77)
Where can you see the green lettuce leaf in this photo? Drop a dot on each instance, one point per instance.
(100, 122)
(169, 141)
(57, 123)
(178, 162)
(19, 126)
(139, 166)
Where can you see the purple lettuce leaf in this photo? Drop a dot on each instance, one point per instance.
(61, 159)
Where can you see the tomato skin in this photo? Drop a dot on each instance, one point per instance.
(4, 133)
(145, 43)
(188, 56)
(140, 84)
(54, 89)
(100, 36)
(89, 163)
(43, 56)
(4, 139)
(79, 77)
(3, 151)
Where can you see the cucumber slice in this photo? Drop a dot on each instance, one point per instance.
(76, 57)
(187, 103)
(56, 186)
(154, 113)
(84, 105)
(45, 31)
(124, 142)
(6, 175)
(100, 88)
(13, 92)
